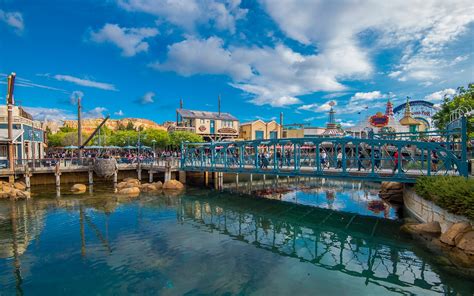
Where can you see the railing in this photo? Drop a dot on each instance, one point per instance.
(376, 159)
(71, 163)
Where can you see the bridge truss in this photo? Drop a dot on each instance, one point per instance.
(398, 157)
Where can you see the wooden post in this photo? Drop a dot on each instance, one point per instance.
(150, 176)
(139, 172)
(115, 176)
(182, 177)
(206, 179)
(91, 177)
(57, 173)
(237, 180)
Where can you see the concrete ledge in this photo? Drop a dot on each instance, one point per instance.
(426, 211)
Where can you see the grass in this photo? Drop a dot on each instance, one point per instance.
(455, 194)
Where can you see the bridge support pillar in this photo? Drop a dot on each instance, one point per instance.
(220, 181)
(150, 176)
(28, 180)
(58, 179)
(237, 180)
(139, 172)
(91, 177)
(167, 170)
(115, 176)
(206, 179)
(182, 177)
(264, 178)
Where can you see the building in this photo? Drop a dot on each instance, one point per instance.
(260, 130)
(28, 136)
(292, 131)
(212, 126)
(313, 131)
(408, 120)
(422, 111)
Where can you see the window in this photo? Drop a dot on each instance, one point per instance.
(273, 135)
(227, 123)
(3, 151)
(258, 135)
(203, 121)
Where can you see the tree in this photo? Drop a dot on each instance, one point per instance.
(463, 98)
(161, 137)
(130, 126)
(178, 137)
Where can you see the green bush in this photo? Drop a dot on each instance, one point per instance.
(455, 194)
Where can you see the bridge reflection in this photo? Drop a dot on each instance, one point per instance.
(360, 246)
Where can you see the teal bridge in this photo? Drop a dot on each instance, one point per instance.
(400, 157)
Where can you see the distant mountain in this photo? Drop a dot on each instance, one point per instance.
(89, 125)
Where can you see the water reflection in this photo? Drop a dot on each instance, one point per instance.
(206, 243)
(354, 197)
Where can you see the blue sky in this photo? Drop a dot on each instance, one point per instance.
(137, 58)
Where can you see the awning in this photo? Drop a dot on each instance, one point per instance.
(4, 135)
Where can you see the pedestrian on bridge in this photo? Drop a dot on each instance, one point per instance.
(339, 159)
(395, 163)
(359, 161)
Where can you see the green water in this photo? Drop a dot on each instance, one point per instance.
(205, 243)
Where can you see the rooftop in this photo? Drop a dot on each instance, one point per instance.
(186, 113)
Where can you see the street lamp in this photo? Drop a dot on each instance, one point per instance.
(154, 142)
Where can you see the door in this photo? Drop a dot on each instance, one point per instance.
(258, 135)
(273, 135)
(212, 126)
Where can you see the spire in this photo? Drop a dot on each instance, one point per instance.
(332, 118)
(407, 108)
(389, 109)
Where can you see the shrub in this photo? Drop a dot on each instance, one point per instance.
(455, 194)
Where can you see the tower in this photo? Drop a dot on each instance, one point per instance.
(389, 109)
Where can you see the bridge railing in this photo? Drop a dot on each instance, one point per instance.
(374, 158)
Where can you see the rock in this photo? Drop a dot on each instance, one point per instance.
(23, 194)
(149, 187)
(20, 185)
(158, 185)
(78, 188)
(131, 180)
(131, 184)
(392, 186)
(454, 231)
(173, 185)
(430, 228)
(466, 242)
(132, 191)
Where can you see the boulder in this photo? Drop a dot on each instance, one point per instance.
(391, 186)
(430, 228)
(158, 185)
(149, 187)
(124, 184)
(466, 242)
(78, 188)
(173, 185)
(454, 231)
(132, 191)
(131, 180)
(20, 185)
(22, 194)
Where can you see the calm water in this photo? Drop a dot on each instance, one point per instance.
(202, 242)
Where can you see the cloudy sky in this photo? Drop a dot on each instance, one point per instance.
(138, 58)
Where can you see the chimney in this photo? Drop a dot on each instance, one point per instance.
(219, 104)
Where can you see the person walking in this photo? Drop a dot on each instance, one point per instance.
(395, 163)
(323, 156)
(360, 159)
(339, 159)
(434, 161)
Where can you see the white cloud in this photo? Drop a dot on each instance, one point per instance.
(49, 114)
(75, 96)
(194, 56)
(147, 98)
(373, 95)
(130, 40)
(318, 108)
(188, 14)
(13, 19)
(439, 95)
(335, 95)
(425, 29)
(345, 124)
(119, 113)
(97, 112)
(85, 82)
(274, 76)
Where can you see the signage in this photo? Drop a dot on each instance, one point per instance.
(227, 130)
(202, 128)
(379, 120)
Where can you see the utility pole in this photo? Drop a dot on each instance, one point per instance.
(79, 127)
(281, 125)
(219, 104)
(10, 103)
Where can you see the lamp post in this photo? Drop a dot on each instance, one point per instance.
(154, 142)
